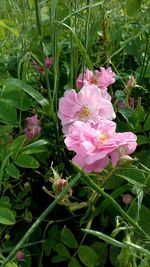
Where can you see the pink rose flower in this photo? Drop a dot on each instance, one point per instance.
(96, 146)
(88, 105)
(106, 77)
(102, 78)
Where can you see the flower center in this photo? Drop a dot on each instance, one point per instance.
(102, 137)
(83, 113)
(93, 80)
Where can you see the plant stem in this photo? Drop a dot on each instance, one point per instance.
(86, 37)
(40, 219)
(98, 189)
(39, 27)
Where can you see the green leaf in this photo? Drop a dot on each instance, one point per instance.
(35, 145)
(147, 123)
(62, 250)
(9, 25)
(133, 6)
(132, 175)
(30, 91)
(6, 216)
(27, 161)
(144, 216)
(15, 97)
(144, 157)
(31, 3)
(59, 258)
(101, 249)
(17, 144)
(142, 139)
(104, 237)
(2, 33)
(5, 202)
(68, 238)
(8, 114)
(134, 117)
(87, 256)
(5, 129)
(81, 47)
(12, 171)
(73, 263)
(47, 247)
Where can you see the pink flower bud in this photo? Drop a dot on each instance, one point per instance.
(20, 255)
(61, 184)
(32, 129)
(131, 102)
(48, 62)
(131, 82)
(121, 104)
(33, 120)
(38, 67)
(125, 160)
(127, 199)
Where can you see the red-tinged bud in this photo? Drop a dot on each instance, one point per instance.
(48, 62)
(32, 129)
(131, 102)
(127, 199)
(20, 255)
(131, 82)
(61, 184)
(121, 104)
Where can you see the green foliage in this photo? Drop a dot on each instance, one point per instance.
(76, 34)
(133, 6)
(87, 256)
(6, 216)
(68, 238)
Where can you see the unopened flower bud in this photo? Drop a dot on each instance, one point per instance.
(131, 102)
(27, 185)
(131, 82)
(127, 199)
(7, 236)
(48, 62)
(125, 160)
(20, 255)
(121, 104)
(61, 184)
(32, 129)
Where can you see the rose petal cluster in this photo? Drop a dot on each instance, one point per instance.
(102, 78)
(87, 105)
(86, 117)
(96, 146)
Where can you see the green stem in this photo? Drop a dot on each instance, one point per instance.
(39, 27)
(86, 37)
(71, 52)
(144, 66)
(98, 189)
(40, 219)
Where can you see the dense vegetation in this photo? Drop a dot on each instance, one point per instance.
(54, 211)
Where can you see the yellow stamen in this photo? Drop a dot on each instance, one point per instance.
(83, 113)
(102, 137)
